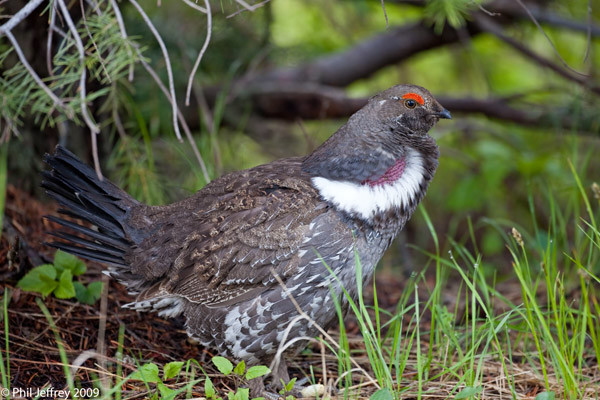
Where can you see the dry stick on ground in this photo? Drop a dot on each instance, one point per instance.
(303, 315)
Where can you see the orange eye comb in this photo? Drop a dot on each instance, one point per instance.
(415, 97)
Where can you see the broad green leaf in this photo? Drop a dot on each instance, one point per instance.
(63, 260)
(172, 369)
(95, 289)
(257, 371)
(165, 392)
(469, 391)
(223, 365)
(88, 295)
(545, 396)
(242, 394)
(382, 394)
(41, 279)
(147, 373)
(65, 288)
(240, 368)
(209, 389)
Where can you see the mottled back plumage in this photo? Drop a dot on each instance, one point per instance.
(213, 257)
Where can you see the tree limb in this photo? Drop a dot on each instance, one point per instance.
(369, 56)
(293, 100)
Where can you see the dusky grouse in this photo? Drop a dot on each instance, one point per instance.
(213, 256)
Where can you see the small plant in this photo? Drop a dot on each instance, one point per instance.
(149, 373)
(287, 388)
(57, 279)
(239, 372)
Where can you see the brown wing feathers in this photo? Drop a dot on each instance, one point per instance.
(214, 246)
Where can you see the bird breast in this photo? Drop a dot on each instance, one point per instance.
(398, 188)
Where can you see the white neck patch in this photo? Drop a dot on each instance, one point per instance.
(365, 201)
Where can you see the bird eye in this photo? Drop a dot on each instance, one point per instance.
(410, 103)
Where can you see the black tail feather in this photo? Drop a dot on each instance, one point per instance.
(87, 253)
(116, 243)
(92, 245)
(77, 188)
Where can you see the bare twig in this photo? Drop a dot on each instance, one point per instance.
(82, 80)
(186, 129)
(387, 22)
(255, 6)
(488, 25)
(87, 29)
(196, 6)
(535, 21)
(161, 43)
(50, 36)
(247, 6)
(94, 129)
(202, 51)
(20, 16)
(58, 102)
(121, 23)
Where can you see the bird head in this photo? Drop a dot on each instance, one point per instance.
(408, 109)
(379, 134)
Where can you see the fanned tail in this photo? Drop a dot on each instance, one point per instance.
(82, 195)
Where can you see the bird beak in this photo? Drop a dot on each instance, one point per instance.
(444, 114)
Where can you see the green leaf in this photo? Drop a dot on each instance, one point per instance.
(165, 392)
(65, 289)
(88, 295)
(240, 368)
(223, 365)
(147, 373)
(382, 394)
(209, 389)
(64, 261)
(242, 394)
(290, 385)
(41, 279)
(257, 371)
(172, 369)
(545, 396)
(469, 391)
